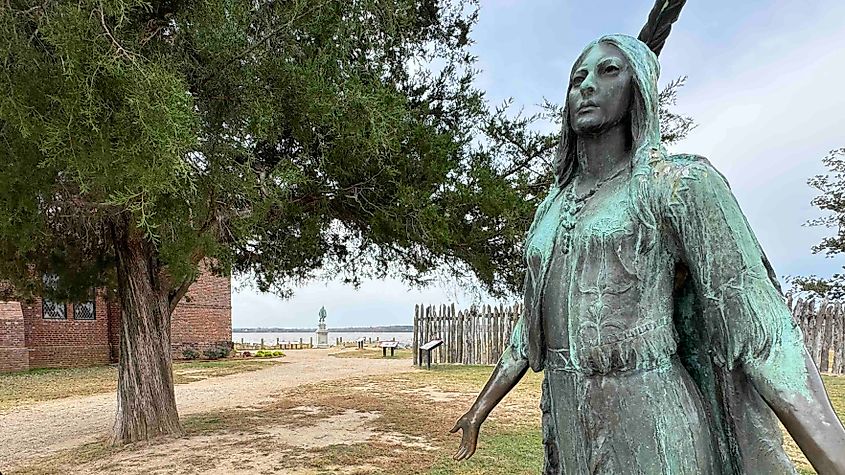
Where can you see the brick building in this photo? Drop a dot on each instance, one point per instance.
(45, 334)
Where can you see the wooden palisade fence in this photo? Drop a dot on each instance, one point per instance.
(823, 325)
(479, 335)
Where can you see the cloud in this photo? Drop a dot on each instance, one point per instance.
(768, 112)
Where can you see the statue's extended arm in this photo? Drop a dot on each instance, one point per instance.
(508, 372)
(804, 409)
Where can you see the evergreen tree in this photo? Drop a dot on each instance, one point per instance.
(141, 139)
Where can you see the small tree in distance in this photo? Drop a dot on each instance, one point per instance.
(831, 200)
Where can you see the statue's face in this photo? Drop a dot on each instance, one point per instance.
(599, 90)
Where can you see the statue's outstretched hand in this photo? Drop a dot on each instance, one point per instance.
(469, 438)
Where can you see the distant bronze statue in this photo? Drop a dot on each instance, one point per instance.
(666, 343)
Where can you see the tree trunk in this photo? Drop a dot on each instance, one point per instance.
(146, 403)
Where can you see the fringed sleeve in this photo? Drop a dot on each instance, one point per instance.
(746, 320)
(517, 342)
(518, 339)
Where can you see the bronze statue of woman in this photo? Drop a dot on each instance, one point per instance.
(666, 343)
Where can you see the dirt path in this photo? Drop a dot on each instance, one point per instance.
(43, 428)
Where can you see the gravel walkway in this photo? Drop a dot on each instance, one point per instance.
(43, 428)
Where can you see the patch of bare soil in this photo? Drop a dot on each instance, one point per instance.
(267, 449)
(436, 394)
(42, 430)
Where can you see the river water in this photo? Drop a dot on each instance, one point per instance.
(406, 338)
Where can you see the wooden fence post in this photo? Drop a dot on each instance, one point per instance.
(839, 352)
(471, 334)
(428, 323)
(450, 326)
(465, 343)
(799, 316)
(415, 346)
(479, 334)
(444, 333)
(459, 334)
(818, 336)
(476, 335)
(491, 333)
(827, 336)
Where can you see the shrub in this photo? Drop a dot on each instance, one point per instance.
(268, 353)
(216, 352)
(246, 354)
(190, 353)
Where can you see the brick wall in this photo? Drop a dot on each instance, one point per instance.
(13, 353)
(27, 340)
(204, 316)
(69, 342)
(201, 320)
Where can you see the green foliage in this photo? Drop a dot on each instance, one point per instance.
(216, 352)
(831, 201)
(277, 138)
(91, 128)
(284, 140)
(673, 126)
(190, 353)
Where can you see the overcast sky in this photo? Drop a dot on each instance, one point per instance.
(764, 84)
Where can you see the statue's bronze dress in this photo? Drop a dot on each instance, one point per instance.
(645, 371)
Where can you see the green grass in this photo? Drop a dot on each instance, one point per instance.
(505, 450)
(17, 389)
(29, 387)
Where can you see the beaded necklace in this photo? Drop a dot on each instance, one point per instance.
(573, 204)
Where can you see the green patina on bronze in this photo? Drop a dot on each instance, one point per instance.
(666, 343)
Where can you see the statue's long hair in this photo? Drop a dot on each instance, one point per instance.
(643, 119)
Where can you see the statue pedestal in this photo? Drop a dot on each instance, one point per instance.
(322, 337)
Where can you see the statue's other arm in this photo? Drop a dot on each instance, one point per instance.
(508, 372)
(804, 409)
(750, 325)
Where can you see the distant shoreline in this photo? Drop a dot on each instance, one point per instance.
(383, 328)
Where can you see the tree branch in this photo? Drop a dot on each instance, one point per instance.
(176, 295)
(120, 49)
